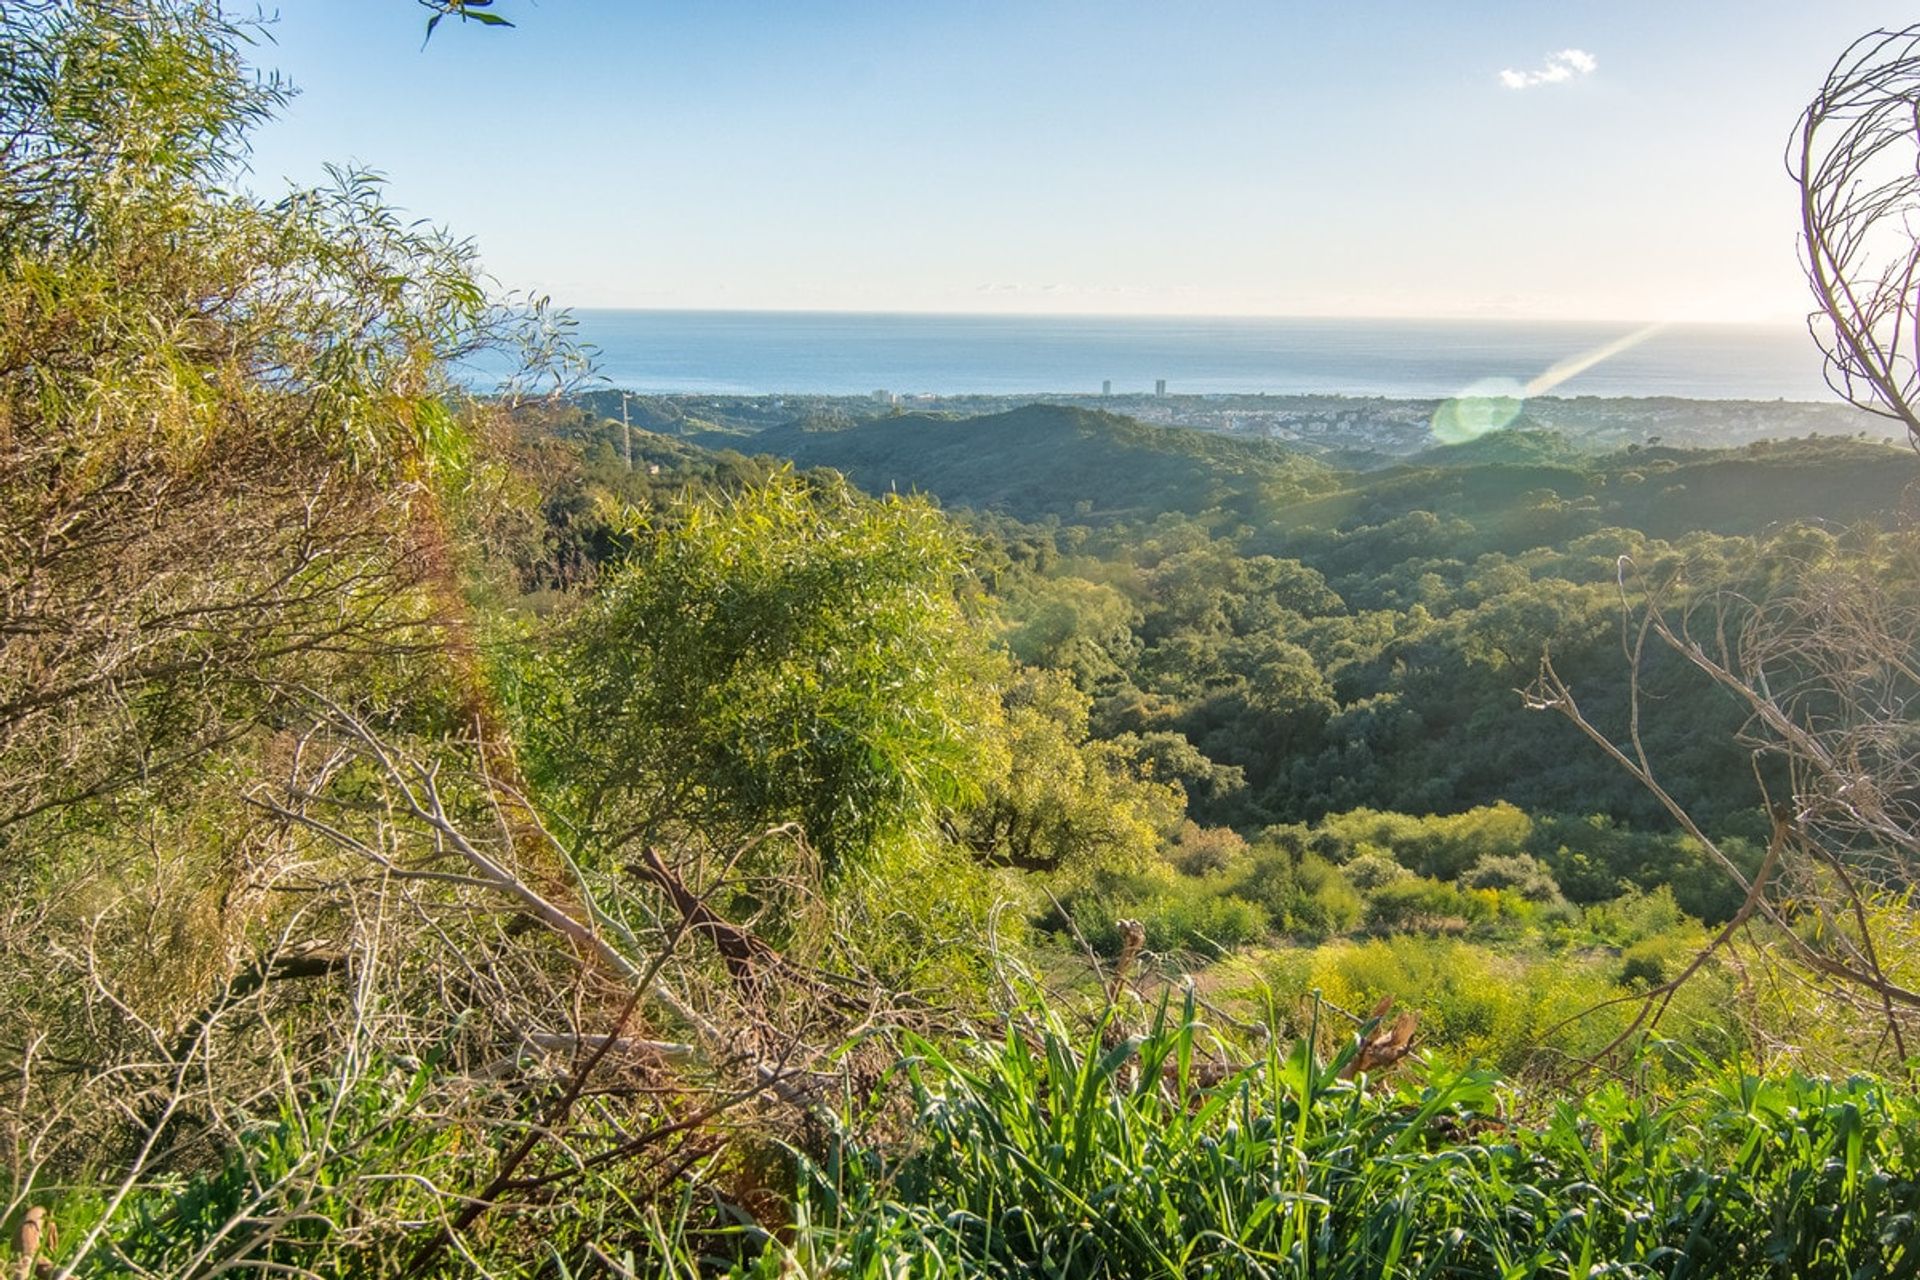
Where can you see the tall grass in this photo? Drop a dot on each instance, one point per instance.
(1045, 1153)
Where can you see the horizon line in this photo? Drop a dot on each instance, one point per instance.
(1715, 323)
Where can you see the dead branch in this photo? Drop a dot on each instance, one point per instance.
(1827, 671)
(1853, 157)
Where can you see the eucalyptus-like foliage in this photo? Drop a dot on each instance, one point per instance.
(1067, 802)
(230, 435)
(794, 653)
(220, 416)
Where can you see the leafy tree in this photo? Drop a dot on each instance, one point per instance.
(228, 441)
(1216, 791)
(1062, 801)
(1070, 623)
(793, 652)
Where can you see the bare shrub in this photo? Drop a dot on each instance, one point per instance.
(1853, 155)
(1827, 669)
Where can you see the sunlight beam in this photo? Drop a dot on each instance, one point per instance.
(1494, 404)
(1573, 366)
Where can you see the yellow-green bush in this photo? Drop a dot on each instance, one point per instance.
(1442, 846)
(1475, 1003)
(1180, 913)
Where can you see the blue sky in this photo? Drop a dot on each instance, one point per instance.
(1210, 157)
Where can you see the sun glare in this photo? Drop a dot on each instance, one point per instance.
(1494, 404)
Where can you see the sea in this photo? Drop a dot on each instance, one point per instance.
(837, 353)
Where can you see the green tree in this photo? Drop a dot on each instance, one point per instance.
(227, 433)
(793, 652)
(1063, 800)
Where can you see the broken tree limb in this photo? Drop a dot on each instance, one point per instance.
(748, 959)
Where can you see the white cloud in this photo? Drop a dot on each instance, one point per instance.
(1560, 67)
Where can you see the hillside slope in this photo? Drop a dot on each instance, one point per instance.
(1511, 505)
(1049, 460)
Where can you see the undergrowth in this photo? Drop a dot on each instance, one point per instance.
(1050, 1153)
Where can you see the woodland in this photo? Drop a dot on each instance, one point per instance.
(459, 831)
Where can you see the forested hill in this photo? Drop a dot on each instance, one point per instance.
(1331, 639)
(1509, 495)
(1050, 460)
(1516, 489)
(1176, 571)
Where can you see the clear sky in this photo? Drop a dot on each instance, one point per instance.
(1607, 159)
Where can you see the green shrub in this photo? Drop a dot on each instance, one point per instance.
(1475, 1003)
(1634, 915)
(1179, 913)
(1203, 921)
(1373, 868)
(1326, 904)
(1303, 894)
(1653, 960)
(1519, 873)
(1595, 859)
(1199, 851)
(793, 652)
(1439, 846)
(1423, 904)
(1641, 969)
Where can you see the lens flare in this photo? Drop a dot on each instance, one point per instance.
(1494, 404)
(1488, 405)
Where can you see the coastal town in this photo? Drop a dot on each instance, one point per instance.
(1354, 430)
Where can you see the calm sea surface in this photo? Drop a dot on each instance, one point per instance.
(839, 354)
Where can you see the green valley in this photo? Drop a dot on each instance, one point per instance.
(538, 830)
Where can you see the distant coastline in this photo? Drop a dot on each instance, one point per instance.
(841, 353)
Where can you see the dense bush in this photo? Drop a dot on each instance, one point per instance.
(1256, 890)
(1323, 903)
(1373, 869)
(1517, 1008)
(1596, 858)
(1422, 904)
(791, 653)
(1519, 872)
(1443, 847)
(1179, 913)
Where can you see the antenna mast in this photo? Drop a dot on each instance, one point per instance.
(626, 431)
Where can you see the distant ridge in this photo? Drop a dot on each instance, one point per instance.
(1519, 445)
(1043, 459)
(1512, 494)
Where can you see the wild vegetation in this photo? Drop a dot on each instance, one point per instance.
(449, 833)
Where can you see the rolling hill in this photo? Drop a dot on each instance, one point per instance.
(1050, 460)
